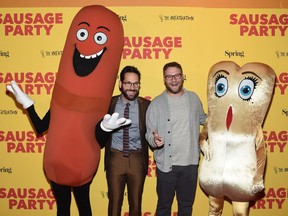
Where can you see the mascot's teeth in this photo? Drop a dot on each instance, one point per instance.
(92, 56)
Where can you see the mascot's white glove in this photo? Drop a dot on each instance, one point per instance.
(20, 96)
(258, 187)
(110, 123)
(204, 146)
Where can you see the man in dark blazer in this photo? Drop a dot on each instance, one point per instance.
(125, 166)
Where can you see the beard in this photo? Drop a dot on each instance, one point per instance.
(174, 90)
(132, 96)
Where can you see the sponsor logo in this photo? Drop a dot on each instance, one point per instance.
(280, 54)
(176, 17)
(47, 53)
(285, 112)
(123, 18)
(7, 170)
(8, 112)
(5, 54)
(234, 53)
(280, 169)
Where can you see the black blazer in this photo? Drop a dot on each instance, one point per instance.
(105, 138)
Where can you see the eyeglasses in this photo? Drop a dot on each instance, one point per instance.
(129, 84)
(175, 76)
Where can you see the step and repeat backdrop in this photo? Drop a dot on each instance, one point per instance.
(197, 36)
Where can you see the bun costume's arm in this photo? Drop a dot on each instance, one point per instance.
(261, 161)
(204, 146)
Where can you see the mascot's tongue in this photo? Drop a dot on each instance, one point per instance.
(229, 118)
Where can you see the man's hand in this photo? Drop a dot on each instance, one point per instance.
(111, 123)
(159, 141)
(20, 96)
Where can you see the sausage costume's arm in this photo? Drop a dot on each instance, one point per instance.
(40, 125)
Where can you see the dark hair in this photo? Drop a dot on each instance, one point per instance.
(129, 69)
(172, 64)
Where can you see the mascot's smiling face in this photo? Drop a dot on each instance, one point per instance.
(97, 37)
(239, 94)
(92, 52)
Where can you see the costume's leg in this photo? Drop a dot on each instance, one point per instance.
(240, 208)
(82, 199)
(215, 206)
(62, 195)
(166, 186)
(116, 180)
(135, 182)
(186, 189)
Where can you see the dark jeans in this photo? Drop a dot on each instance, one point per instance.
(62, 195)
(182, 180)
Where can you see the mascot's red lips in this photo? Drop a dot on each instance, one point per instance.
(229, 117)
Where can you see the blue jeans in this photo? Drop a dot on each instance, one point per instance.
(182, 180)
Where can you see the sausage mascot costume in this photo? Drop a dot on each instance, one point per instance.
(83, 88)
(234, 160)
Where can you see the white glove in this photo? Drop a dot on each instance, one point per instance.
(206, 150)
(110, 123)
(256, 188)
(20, 96)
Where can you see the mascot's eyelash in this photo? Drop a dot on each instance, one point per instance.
(253, 79)
(219, 76)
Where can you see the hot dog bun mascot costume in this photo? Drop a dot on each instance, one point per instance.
(232, 138)
(83, 88)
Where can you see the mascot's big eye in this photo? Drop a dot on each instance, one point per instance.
(100, 38)
(246, 88)
(82, 34)
(221, 86)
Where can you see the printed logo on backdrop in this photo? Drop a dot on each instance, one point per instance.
(177, 17)
(28, 198)
(32, 83)
(285, 112)
(276, 141)
(274, 198)
(280, 170)
(150, 47)
(50, 53)
(29, 24)
(123, 18)
(5, 54)
(6, 170)
(22, 142)
(281, 54)
(234, 53)
(281, 83)
(8, 112)
(262, 25)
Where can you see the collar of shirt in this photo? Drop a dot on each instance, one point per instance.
(123, 103)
